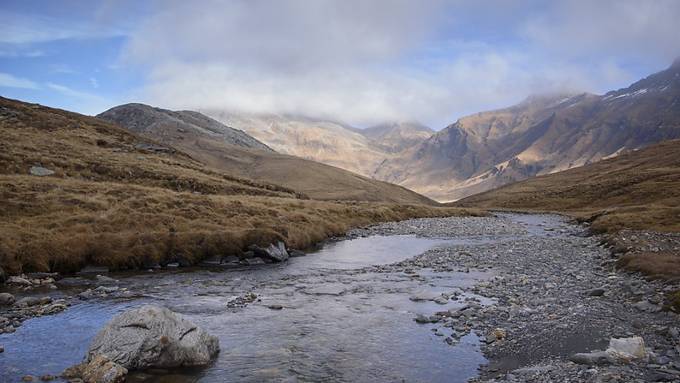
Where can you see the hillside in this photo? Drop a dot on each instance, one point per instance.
(542, 135)
(77, 190)
(635, 190)
(397, 136)
(168, 126)
(316, 180)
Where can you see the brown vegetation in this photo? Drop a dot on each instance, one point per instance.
(654, 264)
(120, 200)
(639, 190)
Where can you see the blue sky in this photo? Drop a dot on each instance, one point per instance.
(354, 61)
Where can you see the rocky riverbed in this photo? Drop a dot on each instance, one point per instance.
(557, 292)
(508, 298)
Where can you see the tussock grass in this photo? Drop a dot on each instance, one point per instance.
(655, 264)
(111, 203)
(639, 190)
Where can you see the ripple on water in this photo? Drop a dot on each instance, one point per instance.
(334, 326)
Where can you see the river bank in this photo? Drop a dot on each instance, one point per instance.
(507, 298)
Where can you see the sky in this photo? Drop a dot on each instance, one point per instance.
(352, 61)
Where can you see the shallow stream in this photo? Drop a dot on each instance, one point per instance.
(340, 320)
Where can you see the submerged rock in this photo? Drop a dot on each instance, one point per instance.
(33, 301)
(98, 370)
(153, 336)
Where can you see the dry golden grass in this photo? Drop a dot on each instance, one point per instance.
(654, 264)
(112, 204)
(638, 190)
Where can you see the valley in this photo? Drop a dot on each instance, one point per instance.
(535, 243)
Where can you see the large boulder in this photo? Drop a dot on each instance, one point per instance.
(627, 349)
(153, 336)
(620, 350)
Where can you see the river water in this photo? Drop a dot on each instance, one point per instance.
(340, 321)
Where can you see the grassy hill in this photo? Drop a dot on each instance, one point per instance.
(124, 201)
(316, 180)
(636, 190)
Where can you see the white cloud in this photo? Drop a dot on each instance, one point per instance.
(365, 62)
(608, 28)
(70, 92)
(10, 81)
(88, 103)
(13, 53)
(23, 29)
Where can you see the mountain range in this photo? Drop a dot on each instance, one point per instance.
(541, 135)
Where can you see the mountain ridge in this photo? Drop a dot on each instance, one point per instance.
(539, 136)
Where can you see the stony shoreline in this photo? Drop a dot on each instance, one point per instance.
(557, 292)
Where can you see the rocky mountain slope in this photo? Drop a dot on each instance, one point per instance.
(397, 136)
(77, 190)
(358, 150)
(167, 125)
(539, 136)
(639, 189)
(316, 180)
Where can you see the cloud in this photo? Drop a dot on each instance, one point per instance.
(10, 81)
(24, 29)
(14, 53)
(610, 28)
(367, 62)
(70, 92)
(88, 103)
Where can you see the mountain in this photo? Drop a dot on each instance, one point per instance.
(397, 136)
(358, 150)
(78, 190)
(316, 180)
(313, 139)
(639, 189)
(168, 126)
(541, 135)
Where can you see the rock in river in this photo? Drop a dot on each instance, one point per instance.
(98, 370)
(276, 253)
(6, 299)
(153, 336)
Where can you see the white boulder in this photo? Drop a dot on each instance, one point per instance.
(153, 336)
